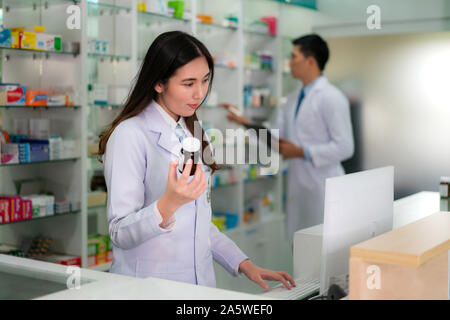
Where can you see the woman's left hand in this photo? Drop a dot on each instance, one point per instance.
(258, 275)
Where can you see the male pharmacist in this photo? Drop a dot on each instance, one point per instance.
(315, 133)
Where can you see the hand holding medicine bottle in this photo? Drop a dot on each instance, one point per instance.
(180, 191)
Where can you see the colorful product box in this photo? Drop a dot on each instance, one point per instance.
(48, 42)
(5, 38)
(27, 209)
(4, 211)
(38, 150)
(36, 98)
(12, 94)
(28, 40)
(62, 259)
(10, 153)
(16, 39)
(15, 207)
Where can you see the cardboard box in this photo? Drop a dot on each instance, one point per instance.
(28, 40)
(36, 98)
(97, 198)
(4, 211)
(15, 207)
(5, 38)
(27, 209)
(12, 94)
(66, 260)
(10, 153)
(410, 262)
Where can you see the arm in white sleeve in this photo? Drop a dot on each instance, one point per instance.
(130, 223)
(335, 111)
(225, 251)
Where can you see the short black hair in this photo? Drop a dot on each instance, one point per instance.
(314, 45)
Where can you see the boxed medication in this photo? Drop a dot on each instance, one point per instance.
(5, 38)
(15, 207)
(48, 42)
(28, 40)
(36, 97)
(4, 211)
(12, 94)
(10, 153)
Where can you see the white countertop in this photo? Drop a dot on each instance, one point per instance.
(103, 285)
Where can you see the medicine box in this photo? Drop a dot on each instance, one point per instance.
(5, 38)
(410, 262)
(4, 211)
(12, 94)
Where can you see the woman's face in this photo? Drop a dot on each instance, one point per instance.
(185, 90)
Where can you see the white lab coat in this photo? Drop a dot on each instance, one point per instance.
(136, 162)
(323, 125)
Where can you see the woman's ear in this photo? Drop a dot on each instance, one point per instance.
(159, 87)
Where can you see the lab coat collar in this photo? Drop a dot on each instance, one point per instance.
(156, 123)
(320, 83)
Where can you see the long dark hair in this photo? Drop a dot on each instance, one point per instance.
(168, 52)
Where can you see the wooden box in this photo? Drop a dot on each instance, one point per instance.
(410, 262)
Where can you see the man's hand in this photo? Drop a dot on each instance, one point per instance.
(234, 116)
(289, 150)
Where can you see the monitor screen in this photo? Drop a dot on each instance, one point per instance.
(358, 206)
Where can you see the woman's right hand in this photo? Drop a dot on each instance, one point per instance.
(180, 191)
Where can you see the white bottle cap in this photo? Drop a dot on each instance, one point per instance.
(191, 144)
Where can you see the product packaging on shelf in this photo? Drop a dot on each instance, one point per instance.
(36, 97)
(12, 94)
(99, 249)
(5, 38)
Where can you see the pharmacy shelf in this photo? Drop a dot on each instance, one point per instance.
(33, 4)
(97, 207)
(92, 5)
(201, 25)
(259, 33)
(218, 187)
(40, 107)
(220, 66)
(248, 69)
(44, 217)
(108, 106)
(152, 16)
(108, 56)
(38, 162)
(38, 52)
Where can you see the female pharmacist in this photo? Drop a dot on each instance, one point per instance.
(160, 219)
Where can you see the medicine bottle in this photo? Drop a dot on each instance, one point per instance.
(190, 149)
(444, 187)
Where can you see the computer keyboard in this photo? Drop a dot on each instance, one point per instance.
(303, 289)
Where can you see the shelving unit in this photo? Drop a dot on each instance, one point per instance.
(130, 33)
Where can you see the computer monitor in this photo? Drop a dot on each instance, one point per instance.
(358, 206)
